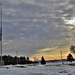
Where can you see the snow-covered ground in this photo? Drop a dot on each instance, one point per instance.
(48, 69)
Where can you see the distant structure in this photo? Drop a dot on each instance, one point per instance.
(35, 59)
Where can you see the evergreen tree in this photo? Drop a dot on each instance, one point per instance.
(70, 58)
(43, 61)
(28, 59)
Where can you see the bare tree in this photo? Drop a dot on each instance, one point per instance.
(72, 49)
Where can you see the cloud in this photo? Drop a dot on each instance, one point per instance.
(31, 26)
(23, 46)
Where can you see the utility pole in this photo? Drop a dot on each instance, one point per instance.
(1, 30)
(61, 57)
(17, 56)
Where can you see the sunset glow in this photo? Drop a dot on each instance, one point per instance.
(52, 55)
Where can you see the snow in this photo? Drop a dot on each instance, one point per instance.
(54, 68)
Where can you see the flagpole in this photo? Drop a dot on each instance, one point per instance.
(1, 32)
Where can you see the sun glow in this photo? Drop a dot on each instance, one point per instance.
(71, 21)
(51, 54)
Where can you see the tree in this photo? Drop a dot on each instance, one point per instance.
(43, 61)
(72, 49)
(28, 59)
(70, 58)
(23, 60)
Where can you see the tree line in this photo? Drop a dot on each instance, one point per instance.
(9, 60)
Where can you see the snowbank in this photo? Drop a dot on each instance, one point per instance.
(48, 69)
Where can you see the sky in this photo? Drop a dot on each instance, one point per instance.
(38, 28)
